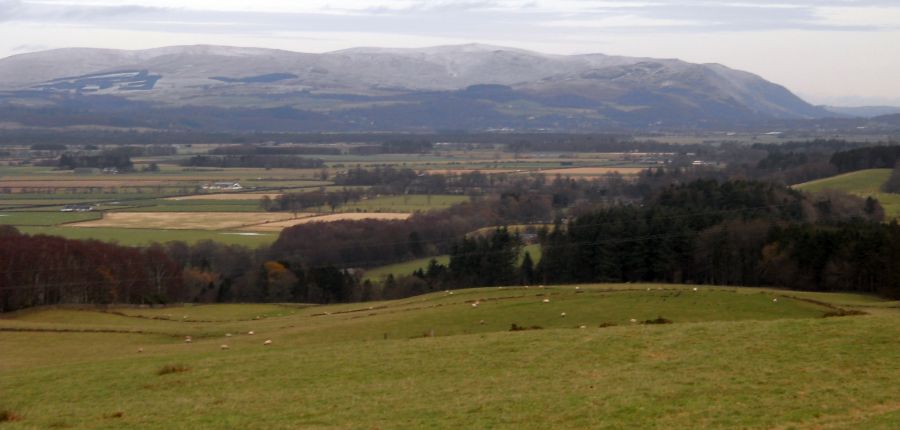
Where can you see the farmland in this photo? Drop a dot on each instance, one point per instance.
(185, 220)
(408, 267)
(866, 183)
(806, 371)
(129, 204)
(276, 226)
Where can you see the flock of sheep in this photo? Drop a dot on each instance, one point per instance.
(475, 304)
(224, 346)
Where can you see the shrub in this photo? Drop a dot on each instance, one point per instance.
(172, 368)
(7, 416)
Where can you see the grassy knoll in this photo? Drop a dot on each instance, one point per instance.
(734, 358)
(866, 183)
(859, 182)
(408, 267)
(145, 236)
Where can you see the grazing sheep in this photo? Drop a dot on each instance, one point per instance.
(267, 342)
(633, 320)
(250, 333)
(140, 350)
(582, 326)
(475, 305)
(775, 299)
(451, 293)
(227, 334)
(695, 288)
(546, 300)
(562, 314)
(481, 322)
(223, 347)
(188, 340)
(577, 288)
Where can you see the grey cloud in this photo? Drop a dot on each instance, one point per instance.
(469, 19)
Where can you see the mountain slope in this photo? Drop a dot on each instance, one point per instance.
(464, 86)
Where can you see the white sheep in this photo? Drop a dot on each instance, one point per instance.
(475, 305)
(227, 334)
(140, 350)
(563, 314)
(633, 320)
(251, 333)
(267, 342)
(775, 299)
(546, 300)
(223, 347)
(577, 288)
(695, 288)
(481, 322)
(582, 326)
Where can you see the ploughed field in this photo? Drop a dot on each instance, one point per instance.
(589, 356)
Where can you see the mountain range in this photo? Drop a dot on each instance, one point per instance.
(471, 87)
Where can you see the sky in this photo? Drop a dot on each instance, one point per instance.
(838, 52)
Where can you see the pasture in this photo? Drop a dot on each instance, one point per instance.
(147, 236)
(406, 268)
(865, 183)
(306, 218)
(184, 220)
(733, 358)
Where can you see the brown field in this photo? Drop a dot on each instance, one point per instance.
(351, 216)
(596, 171)
(185, 220)
(226, 196)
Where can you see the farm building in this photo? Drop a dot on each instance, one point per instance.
(77, 208)
(223, 186)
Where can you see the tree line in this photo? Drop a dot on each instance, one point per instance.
(254, 160)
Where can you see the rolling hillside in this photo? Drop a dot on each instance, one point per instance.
(437, 361)
(865, 183)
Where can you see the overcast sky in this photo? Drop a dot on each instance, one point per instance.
(843, 52)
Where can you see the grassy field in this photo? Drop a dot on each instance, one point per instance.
(866, 183)
(408, 267)
(185, 220)
(734, 358)
(146, 236)
(46, 218)
(406, 203)
(859, 182)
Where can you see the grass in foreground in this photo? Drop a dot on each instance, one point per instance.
(745, 362)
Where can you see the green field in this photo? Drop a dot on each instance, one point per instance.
(45, 218)
(405, 203)
(733, 358)
(865, 183)
(146, 236)
(408, 267)
(859, 182)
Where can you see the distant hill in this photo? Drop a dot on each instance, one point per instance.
(365, 89)
(864, 111)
